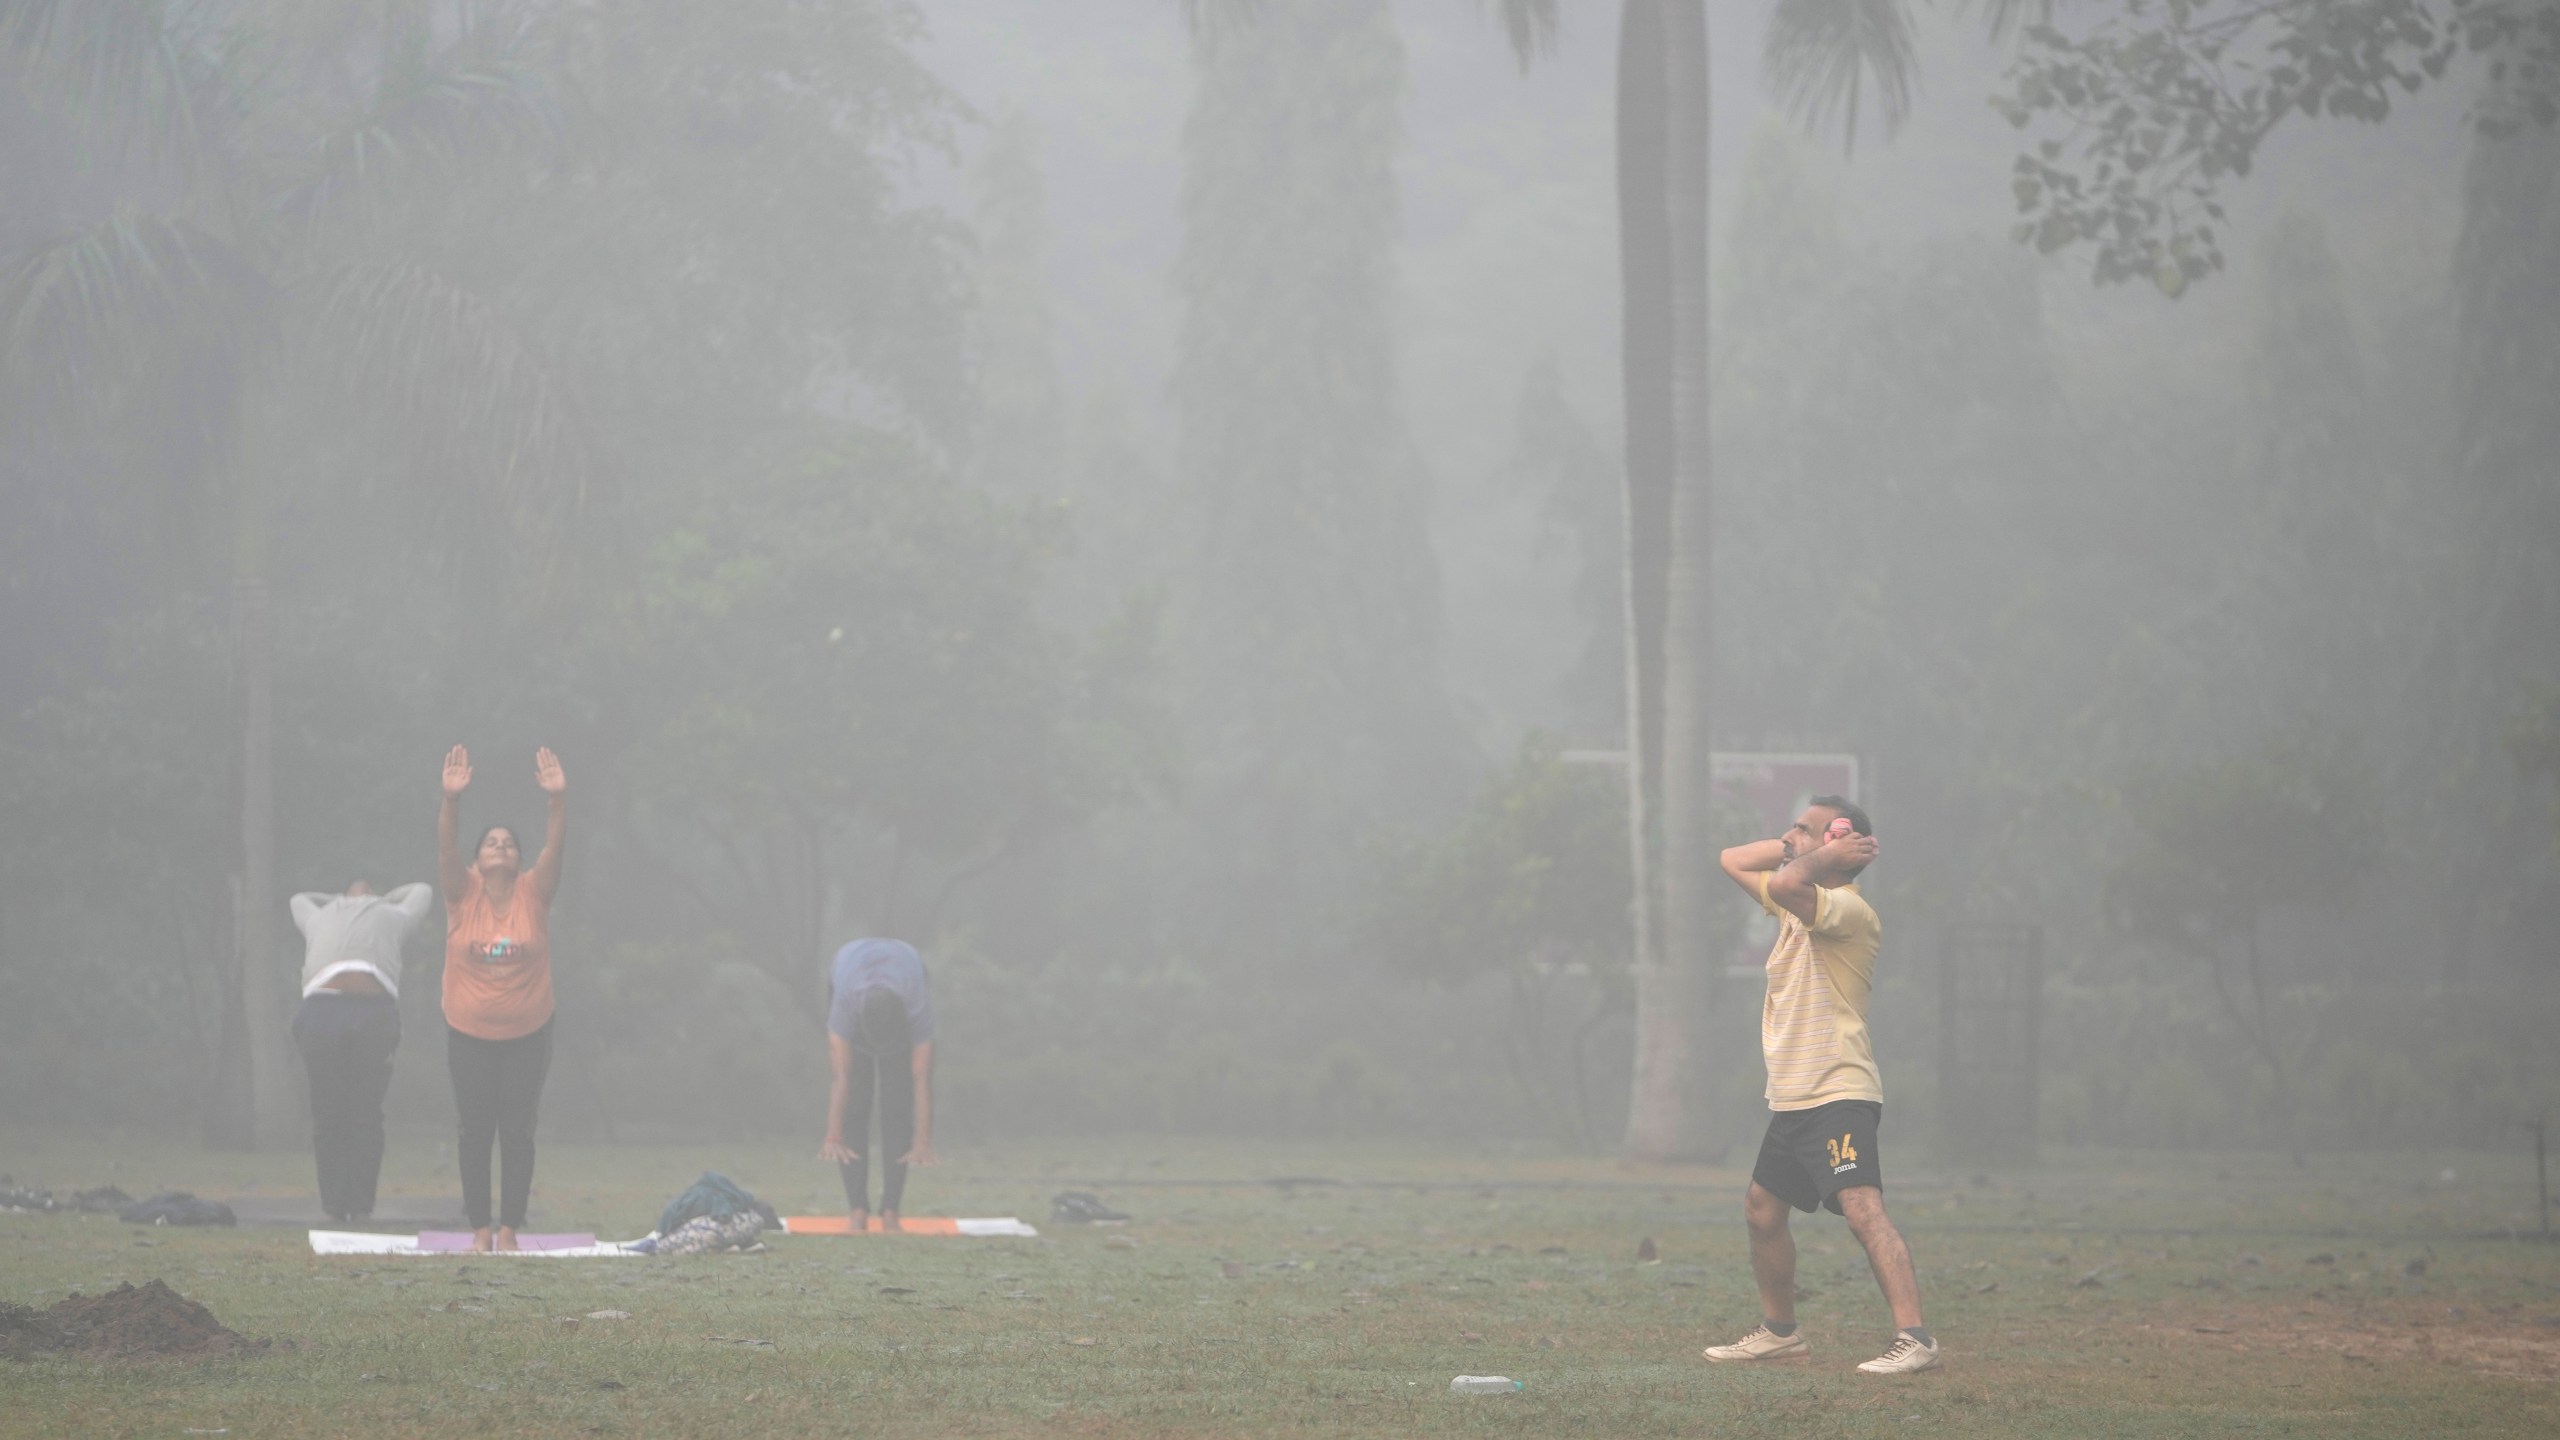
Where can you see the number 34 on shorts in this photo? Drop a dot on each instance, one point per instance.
(1844, 1153)
(1810, 1156)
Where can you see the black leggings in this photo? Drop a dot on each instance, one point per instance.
(891, 1079)
(497, 1090)
(346, 1041)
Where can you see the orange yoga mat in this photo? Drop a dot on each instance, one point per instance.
(843, 1225)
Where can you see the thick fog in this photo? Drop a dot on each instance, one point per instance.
(1130, 497)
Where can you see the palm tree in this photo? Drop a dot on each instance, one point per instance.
(250, 263)
(1820, 56)
(1663, 94)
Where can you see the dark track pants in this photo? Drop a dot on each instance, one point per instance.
(497, 1091)
(346, 1042)
(891, 1080)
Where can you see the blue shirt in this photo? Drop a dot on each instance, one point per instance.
(868, 965)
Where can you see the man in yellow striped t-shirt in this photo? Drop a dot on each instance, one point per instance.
(1826, 1097)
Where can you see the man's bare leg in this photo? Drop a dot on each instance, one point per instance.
(1863, 1208)
(506, 1238)
(1773, 1265)
(889, 1221)
(1773, 1253)
(480, 1242)
(861, 1220)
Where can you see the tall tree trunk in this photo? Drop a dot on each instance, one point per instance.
(274, 1100)
(271, 1092)
(1662, 215)
(227, 1087)
(1690, 877)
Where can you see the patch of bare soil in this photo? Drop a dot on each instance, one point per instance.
(2515, 1344)
(126, 1323)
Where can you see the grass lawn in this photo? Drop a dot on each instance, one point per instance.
(2091, 1295)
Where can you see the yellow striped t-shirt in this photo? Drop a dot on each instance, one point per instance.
(1813, 1026)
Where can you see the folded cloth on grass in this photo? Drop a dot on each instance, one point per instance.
(366, 1242)
(177, 1208)
(976, 1229)
(705, 1235)
(717, 1196)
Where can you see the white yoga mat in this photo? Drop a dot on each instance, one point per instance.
(1004, 1226)
(925, 1226)
(363, 1242)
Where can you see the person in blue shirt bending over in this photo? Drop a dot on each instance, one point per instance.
(879, 1044)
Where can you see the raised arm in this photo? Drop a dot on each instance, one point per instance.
(411, 900)
(921, 1153)
(452, 871)
(1796, 885)
(1745, 864)
(304, 906)
(545, 873)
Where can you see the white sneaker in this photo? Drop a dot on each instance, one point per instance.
(1906, 1357)
(1762, 1344)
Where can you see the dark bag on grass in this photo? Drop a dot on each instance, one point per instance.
(717, 1196)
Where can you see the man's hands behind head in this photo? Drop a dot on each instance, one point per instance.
(1835, 862)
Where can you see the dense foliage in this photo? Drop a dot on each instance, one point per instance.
(597, 378)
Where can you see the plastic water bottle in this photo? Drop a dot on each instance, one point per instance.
(1484, 1385)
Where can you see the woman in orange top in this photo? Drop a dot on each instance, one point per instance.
(497, 993)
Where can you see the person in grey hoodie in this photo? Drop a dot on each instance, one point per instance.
(348, 1027)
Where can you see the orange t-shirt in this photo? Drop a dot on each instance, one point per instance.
(497, 964)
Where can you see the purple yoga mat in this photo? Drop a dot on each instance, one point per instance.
(461, 1240)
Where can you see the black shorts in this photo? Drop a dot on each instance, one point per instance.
(1810, 1156)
